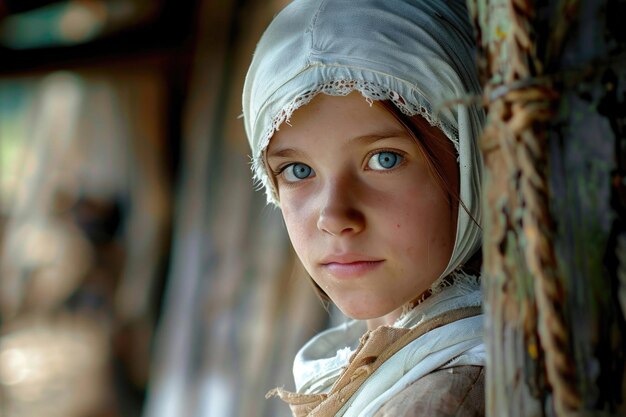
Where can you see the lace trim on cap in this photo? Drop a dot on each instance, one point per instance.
(371, 91)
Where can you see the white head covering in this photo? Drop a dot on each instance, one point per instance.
(416, 53)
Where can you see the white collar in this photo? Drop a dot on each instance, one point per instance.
(318, 364)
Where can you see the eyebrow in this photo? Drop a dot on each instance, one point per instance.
(372, 138)
(369, 139)
(283, 153)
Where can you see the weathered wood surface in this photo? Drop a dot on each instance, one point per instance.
(555, 238)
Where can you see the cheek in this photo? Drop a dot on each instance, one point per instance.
(298, 227)
(423, 225)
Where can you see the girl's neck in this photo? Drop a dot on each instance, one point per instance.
(386, 320)
(390, 318)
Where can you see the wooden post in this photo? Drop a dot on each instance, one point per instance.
(554, 75)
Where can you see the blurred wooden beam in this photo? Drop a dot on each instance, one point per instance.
(162, 30)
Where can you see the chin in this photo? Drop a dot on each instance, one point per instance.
(357, 312)
(357, 316)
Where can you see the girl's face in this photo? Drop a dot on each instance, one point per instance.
(364, 213)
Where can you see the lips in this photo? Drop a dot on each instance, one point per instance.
(350, 265)
(348, 258)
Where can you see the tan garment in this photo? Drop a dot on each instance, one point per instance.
(454, 392)
(374, 349)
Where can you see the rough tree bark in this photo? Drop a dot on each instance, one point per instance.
(554, 74)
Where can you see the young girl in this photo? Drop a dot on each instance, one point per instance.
(351, 109)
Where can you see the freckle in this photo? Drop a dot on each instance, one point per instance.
(398, 225)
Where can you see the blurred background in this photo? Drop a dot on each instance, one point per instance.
(140, 273)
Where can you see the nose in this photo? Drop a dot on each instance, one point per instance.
(340, 213)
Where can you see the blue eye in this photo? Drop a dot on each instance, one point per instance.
(297, 172)
(384, 160)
